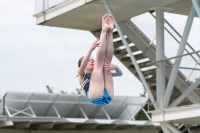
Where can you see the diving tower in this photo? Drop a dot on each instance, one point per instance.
(178, 94)
(40, 112)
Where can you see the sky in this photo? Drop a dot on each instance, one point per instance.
(34, 56)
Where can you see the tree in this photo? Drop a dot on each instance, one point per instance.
(141, 115)
(78, 91)
(63, 92)
(49, 90)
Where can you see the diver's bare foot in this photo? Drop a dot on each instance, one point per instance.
(111, 22)
(105, 26)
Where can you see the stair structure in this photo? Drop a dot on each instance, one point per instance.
(148, 54)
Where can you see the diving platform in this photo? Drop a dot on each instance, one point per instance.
(76, 14)
(58, 112)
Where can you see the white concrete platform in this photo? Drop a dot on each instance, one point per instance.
(181, 115)
(86, 14)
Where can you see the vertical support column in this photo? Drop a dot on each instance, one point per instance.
(43, 5)
(181, 48)
(47, 4)
(131, 56)
(4, 104)
(160, 52)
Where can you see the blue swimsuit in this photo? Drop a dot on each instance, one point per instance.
(105, 99)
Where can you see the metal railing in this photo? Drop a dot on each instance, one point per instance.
(152, 45)
(42, 5)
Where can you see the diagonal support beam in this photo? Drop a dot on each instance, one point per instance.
(50, 106)
(172, 128)
(181, 48)
(196, 6)
(83, 112)
(185, 93)
(105, 113)
(165, 129)
(146, 114)
(131, 55)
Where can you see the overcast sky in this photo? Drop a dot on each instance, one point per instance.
(33, 56)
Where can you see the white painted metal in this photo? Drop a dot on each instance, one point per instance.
(42, 5)
(31, 110)
(177, 62)
(66, 124)
(179, 56)
(146, 114)
(64, 105)
(192, 70)
(185, 93)
(196, 6)
(152, 40)
(165, 128)
(172, 128)
(56, 112)
(183, 114)
(83, 112)
(106, 113)
(142, 43)
(160, 54)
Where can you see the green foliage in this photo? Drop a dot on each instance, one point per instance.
(199, 84)
(49, 90)
(141, 115)
(78, 91)
(63, 92)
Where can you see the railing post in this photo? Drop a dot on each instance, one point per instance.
(43, 5)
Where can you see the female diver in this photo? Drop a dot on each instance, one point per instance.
(95, 77)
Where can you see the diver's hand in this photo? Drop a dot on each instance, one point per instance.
(95, 44)
(110, 66)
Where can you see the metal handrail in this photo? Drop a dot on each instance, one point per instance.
(148, 41)
(179, 36)
(139, 31)
(46, 5)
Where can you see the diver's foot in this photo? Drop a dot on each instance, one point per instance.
(111, 22)
(105, 26)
